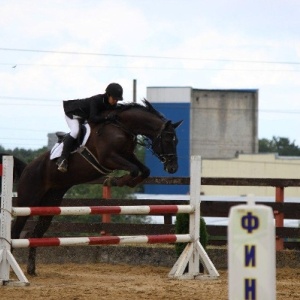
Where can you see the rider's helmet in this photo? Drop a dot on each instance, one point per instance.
(115, 90)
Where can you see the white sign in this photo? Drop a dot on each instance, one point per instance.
(251, 253)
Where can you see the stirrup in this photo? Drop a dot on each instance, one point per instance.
(62, 166)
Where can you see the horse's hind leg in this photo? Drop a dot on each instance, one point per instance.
(18, 226)
(41, 227)
(52, 198)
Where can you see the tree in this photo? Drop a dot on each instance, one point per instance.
(281, 145)
(23, 154)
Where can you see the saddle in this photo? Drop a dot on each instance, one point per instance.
(61, 135)
(79, 148)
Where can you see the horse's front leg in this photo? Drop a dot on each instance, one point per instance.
(118, 181)
(122, 180)
(125, 164)
(144, 173)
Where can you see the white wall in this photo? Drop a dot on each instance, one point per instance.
(224, 122)
(169, 94)
(251, 166)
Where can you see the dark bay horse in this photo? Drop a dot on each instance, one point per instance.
(19, 167)
(112, 145)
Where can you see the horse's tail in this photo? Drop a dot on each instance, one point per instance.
(19, 166)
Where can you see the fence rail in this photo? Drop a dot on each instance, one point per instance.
(285, 237)
(217, 234)
(233, 181)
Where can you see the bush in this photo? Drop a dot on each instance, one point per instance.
(182, 227)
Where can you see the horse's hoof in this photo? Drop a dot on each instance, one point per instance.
(31, 273)
(131, 184)
(114, 181)
(107, 182)
(111, 181)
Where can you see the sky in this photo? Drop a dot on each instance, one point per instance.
(55, 50)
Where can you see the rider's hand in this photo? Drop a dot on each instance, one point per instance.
(111, 118)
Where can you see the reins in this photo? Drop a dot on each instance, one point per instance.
(147, 142)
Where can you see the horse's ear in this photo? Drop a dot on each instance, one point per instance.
(177, 124)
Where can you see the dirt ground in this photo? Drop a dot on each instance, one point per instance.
(114, 282)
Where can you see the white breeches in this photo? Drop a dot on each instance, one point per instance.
(74, 126)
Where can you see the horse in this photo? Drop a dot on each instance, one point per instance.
(112, 146)
(19, 167)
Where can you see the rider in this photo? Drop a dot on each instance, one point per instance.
(88, 109)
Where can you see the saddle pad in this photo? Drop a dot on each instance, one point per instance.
(58, 147)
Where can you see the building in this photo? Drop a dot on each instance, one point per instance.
(218, 124)
(52, 140)
(262, 165)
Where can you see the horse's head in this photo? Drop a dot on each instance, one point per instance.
(159, 132)
(164, 146)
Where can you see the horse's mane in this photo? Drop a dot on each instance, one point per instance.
(145, 107)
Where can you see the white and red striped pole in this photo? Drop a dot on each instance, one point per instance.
(97, 210)
(251, 252)
(102, 240)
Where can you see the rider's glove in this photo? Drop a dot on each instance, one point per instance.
(111, 118)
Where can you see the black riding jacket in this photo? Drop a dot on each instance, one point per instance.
(87, 109)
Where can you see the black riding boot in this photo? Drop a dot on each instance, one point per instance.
(62, 161)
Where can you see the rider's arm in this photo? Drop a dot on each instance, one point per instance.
(97, 105)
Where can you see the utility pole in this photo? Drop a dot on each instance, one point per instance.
(134, 90)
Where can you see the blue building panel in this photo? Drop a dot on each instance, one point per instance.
(174, 112)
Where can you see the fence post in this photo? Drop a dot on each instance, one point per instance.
(6, 258)
(106, 218)
(106, 194)
(279, 216)
(167, 219)
(194, 225)
(194, 252)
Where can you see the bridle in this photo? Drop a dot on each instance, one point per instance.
(157, 143)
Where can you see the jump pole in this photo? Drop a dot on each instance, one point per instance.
(7, 260)
(100, 210)
(191, 256)
(194, 252)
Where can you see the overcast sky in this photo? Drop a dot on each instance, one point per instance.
(52, 50)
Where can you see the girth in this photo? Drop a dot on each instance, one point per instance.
(91, 159)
